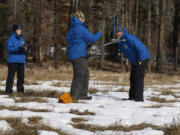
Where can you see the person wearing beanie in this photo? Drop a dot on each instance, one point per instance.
(137, 54)
(16, 59)
(77, 37)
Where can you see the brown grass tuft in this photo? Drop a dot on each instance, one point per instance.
(31, 93)
(15, 108)
(78, 120)
(34, 120)
(77, 112)
(93, 91)
(172, 129)
(94, 128)
(21, 128)
(162, 100)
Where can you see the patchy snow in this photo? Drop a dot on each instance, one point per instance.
(4, 126)
(43, 132)
(146, 131)
(107, 105)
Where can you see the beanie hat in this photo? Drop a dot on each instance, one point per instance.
(79, 15)
(16, 27)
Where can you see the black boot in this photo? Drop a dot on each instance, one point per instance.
(125, 99)
(85, 98)
(137, 100)
(8, 92)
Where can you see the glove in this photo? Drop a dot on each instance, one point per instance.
(139, 63)
(89, 45)
(21, 49)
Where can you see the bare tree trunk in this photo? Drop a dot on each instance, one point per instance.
(161, 38)
(175, 35)
(130, 16)
(34, 41)
(39, 53)
(54, 33)
(149, 31)
(127, 13)
(102, 44)
(137, 17)
(15, 10)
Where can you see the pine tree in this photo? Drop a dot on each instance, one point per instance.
(3, 28)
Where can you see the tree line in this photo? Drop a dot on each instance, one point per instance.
(45, 24)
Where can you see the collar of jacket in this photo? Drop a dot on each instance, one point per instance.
(16, 36)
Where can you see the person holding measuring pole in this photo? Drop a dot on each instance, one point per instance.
(77, 37)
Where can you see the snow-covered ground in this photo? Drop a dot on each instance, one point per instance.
(107, 108)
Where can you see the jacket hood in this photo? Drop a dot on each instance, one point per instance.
(124, 33)
(75, 21)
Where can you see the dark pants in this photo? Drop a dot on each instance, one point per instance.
(137, 81)
(80, 83)
(12, 69)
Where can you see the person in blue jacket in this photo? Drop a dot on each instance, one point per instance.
(16, 60)
(77, 37)
(137, 54)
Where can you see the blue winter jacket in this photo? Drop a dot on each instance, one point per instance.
(77, 37)
(13, 44)
(132, 48)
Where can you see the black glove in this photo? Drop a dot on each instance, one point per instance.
(21, 49)
(89, 45)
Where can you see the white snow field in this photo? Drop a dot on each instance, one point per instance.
(105, 114)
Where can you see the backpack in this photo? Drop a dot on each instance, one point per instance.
(65, 98)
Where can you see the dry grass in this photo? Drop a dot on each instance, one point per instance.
(153, 106)
(31, 82)
(162, 100)
(172, 129)
(30, 99)
(15, 108)
(94, 128)
(167, 92)
(34, 120)
(31, 93)
(155, 78)
(121, 90)
(77, 112)
(48, 73)
(21, 128)
(3, 71)
(158, 106)
(64, 72)
(78, 120)
(93, 91)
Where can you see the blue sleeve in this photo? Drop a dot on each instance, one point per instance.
(11, 47)
(89, 37)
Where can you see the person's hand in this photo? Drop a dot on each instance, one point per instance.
(21, 49)
(139, 63)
